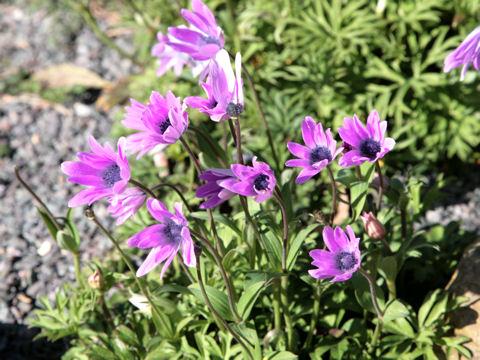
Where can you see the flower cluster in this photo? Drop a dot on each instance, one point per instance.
(360, 144)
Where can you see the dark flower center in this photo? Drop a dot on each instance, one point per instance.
(369, 148)
(320, 153)
(111, 175)
(211, 40)
(164, 125)
(345, 260)
(172, 231)
(261, 182)
(346, 147)
(234, 109)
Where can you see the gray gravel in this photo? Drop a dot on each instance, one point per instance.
(38, 137)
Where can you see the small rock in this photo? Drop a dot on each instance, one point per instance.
(45, 248)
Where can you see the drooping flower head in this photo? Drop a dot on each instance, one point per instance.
(204, 39)
(467, 52)
(224, 89)
(320, 151)
(257, 180)
(169, 58)
(165, 239)
(342, 258)
(216, 193)
(162, 121)
(126, 204)
(104, 171)
(364, 143)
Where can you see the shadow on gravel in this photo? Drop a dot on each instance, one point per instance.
(16, 343)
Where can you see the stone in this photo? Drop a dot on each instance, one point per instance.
(465, 282)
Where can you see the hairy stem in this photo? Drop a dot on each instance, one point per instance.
(217, 315)
(36, 197)
(278, 196)
(373, 293)
(210, 144)
(380, 188)
(313, 320)
(261, 112)
(226, 280)
(78, 273)
(90, 214)
(334, 194)
(142, 187)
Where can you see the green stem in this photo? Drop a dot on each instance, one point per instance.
(90, 214)
(210, 144)
(286, 311)
(313, 320)
(334, 194)
(226, 280)
(239, 140)
(78, 273)
(278, 196)
(380, 188)
(261, 112)
(403, 216)
(218, 244)
(277, 315)
(217, 315)
(142, 187)
(106, 312)
(373, 293)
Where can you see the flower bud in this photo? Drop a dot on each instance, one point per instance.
(374, 228)
(96, 280)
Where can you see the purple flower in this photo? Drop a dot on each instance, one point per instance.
(105, 171)
(258, 181)
(204, 39)
(467, 52)
(342, 259)
(365, 143)
(169, 58)
(164, 239)
(212, 188)
(320, 151)
(224, 89)
(126, 204)
(162, 121)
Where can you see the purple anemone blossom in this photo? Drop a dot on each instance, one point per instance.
(162, 121)
(224, 89)
(165, 239)
(204, 39)
(169, 58)
(467, 52)
(364, 143)
(105, 171)
(320, 151)
(258, 181)
(342, 258)
(126, 204)
(212, 188)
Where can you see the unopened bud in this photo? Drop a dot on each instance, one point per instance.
(66, 241)
(96, 280)
(374, 228)
(89, 213)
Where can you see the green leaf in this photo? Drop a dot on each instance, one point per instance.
(395, 309)
(425, 309)
(274, 249)
(362, 293)
(281, 355)
(217, 217)
(358, 196)
(128, 336)
(217, 298)
(297, 243)
(50, 225)
(254, 284)
(388, 268)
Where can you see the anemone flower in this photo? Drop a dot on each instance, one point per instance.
(224, 89)
(105, 171)
(212, 189)
(162, 121)
(204, 39)
(467, 52)
(169, 58)
(126, 204)
(320, 151)
(257, 180)
(364, 143)
(165, 239)
(342, 258)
